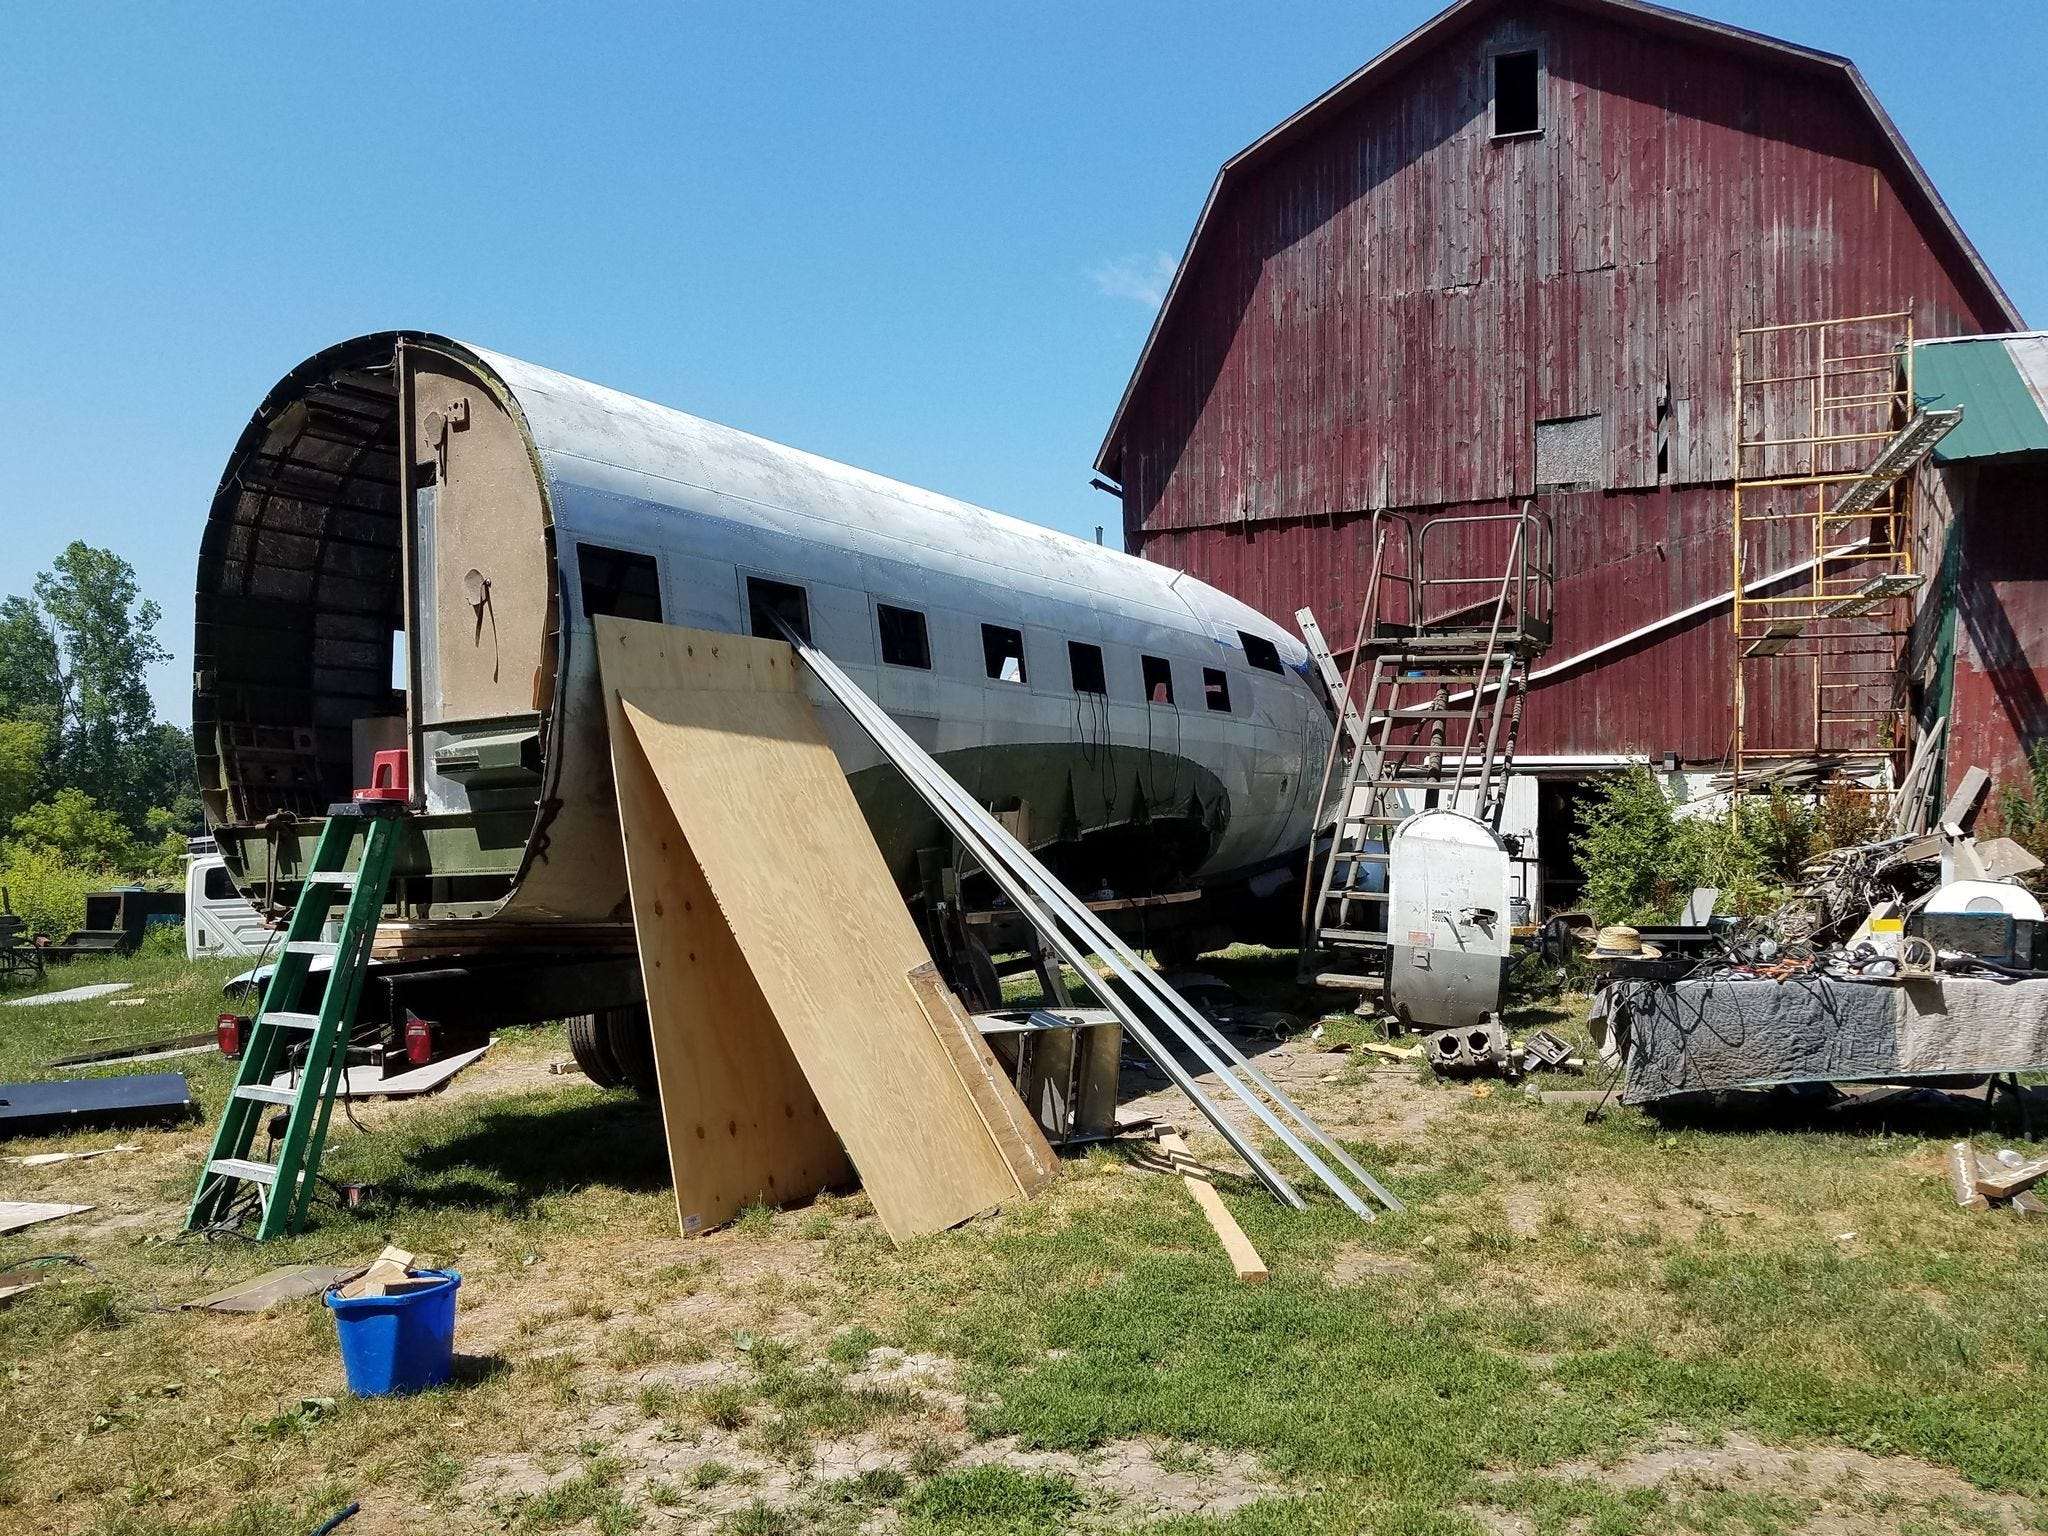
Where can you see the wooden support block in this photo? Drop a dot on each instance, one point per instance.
(1962, 1178)
(2001, 1182)
(2027, 1203)
(1244, 1258)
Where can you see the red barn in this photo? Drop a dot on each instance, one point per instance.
(1507, 259)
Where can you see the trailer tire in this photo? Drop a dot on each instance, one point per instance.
(630, 1039)
(590, 1044)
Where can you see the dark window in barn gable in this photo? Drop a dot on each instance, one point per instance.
(1216, 689)
(1261, 653)
(1517, 93)
(1158, 679)
(618, 582)
(768, 601)
(1002, 652)
(905, 641)
(1085, 662)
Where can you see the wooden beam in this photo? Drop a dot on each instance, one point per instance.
(1244, 1258)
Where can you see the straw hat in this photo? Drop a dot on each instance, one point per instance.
(1618, 941)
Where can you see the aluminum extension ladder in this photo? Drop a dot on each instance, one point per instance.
(1436, 724)
(313, 1045)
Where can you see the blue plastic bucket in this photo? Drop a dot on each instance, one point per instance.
(404, 1342)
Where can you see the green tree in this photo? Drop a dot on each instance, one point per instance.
(107, 633)
(70, 825)
(24, 748)
(31, 682)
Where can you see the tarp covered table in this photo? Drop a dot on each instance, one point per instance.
(1716, 1033)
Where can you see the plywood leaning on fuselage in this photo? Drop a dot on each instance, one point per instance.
(777, 952)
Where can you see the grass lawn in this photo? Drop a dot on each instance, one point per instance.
(1610, 1328)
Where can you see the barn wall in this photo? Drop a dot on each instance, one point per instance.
(1382, 310)
(2000, 707)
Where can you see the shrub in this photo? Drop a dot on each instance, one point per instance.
(44, 889)
(1642, 861)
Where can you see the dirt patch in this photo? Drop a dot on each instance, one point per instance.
(1354, 1264)
(1838, 1492)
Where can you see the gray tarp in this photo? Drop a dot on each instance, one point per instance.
(1722, 1032)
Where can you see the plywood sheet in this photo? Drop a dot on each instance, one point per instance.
(1018, 1136)
(741, 1122)
(802, 909)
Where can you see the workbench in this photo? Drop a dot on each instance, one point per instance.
(1724, 1032)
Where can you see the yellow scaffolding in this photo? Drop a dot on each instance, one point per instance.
(1827, 436)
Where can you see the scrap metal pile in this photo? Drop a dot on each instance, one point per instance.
(1914, 957)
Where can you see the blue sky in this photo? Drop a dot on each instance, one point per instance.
(924, 239)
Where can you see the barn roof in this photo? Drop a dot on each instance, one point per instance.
(1348, 91)
(2001, 382)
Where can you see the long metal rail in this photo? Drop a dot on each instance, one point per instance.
(1074, 930)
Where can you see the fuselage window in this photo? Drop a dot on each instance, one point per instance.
(1002, 651)
(1085, 660)
(905, 641)
(768, 601)
(619, 582)
(1158, 679)
(1261, 653)
(1216, 689)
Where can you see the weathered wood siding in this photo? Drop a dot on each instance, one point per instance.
(1383, 309)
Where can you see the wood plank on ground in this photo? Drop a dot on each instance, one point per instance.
(1244, 1258)
(796, 903)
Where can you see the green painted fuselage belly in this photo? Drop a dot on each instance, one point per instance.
(1075, 796)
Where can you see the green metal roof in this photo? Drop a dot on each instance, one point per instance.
(2001, 382)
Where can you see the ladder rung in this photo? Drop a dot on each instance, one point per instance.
(332, 877)
(1359, 856)
(244, 1168)
(1375, 936)
(267, 1095)
(311, 947)
(284, 1020)
(1426, 712)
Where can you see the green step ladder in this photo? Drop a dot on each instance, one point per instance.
(284, 1186)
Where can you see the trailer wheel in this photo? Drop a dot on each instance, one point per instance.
(630, 1039)
(590, 1044)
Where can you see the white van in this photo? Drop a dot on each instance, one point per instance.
(219, 920)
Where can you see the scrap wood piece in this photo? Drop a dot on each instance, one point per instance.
(272, 1287)
(1244, 1258)
(391, 1269)
(2001, 1181)
(12, 1286)
(45, 1159)
(793, 904)
(16, 1214)
(1015, 1131)
(1962, 1178)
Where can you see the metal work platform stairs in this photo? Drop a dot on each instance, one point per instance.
(1429, 707)
(311, 1045)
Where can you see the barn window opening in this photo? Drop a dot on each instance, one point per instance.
(905, 641)
(768, 601)
(1158, 679)
(619, 582)
(1261, 653)
(1517, 94)
(1002, 652)
(1571, 454)
(1216, 689)
(1085, 662)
